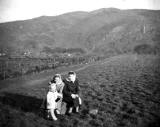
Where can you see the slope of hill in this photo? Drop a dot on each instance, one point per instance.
(124, 89)
(103, 31)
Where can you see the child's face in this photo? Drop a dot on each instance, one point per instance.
(57, 80)
(72, 77)
(53, 87)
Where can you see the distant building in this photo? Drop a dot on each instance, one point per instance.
(27, 53)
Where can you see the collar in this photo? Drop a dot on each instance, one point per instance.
(70, 80)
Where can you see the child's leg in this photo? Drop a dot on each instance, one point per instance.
(77, 109)
(70, 109)
(76, 104)
(57, 111)
(59, 106)
(63, 108)
(48, 113)
(52, 114)
(80, 101)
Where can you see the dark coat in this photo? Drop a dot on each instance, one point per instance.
(70, 88)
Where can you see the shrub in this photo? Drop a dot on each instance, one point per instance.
(145, 49)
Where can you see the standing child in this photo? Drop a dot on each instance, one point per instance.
(57, 79)
(52, 95)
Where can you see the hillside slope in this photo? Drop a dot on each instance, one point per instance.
(124, 89)
(103, 31)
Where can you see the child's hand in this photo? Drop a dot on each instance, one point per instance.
(60, 95)
(73, 96)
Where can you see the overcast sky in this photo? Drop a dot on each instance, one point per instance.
(11, 10)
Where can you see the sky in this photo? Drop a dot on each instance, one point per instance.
(11, 10)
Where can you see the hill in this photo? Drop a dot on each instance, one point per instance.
(105, 32)
(124, 89)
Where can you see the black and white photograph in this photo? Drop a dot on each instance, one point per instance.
(79, 63)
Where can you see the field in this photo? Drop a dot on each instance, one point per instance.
(125, 90)
(15, 67)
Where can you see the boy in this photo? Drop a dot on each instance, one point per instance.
(71, 92)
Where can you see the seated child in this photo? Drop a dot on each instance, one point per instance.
(52, 96)
(71, 92)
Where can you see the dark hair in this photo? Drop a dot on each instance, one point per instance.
(54, 77)
(71, 73)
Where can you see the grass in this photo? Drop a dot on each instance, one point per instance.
(124, 89)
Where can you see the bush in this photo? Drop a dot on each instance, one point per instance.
(145, 49)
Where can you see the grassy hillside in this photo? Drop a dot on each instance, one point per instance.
(124, 89)
(105, 31)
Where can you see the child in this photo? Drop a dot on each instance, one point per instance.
(71, 92)
(57, 79)
(52, 95)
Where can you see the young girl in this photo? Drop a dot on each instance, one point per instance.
(59, 87)
(52, 95)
